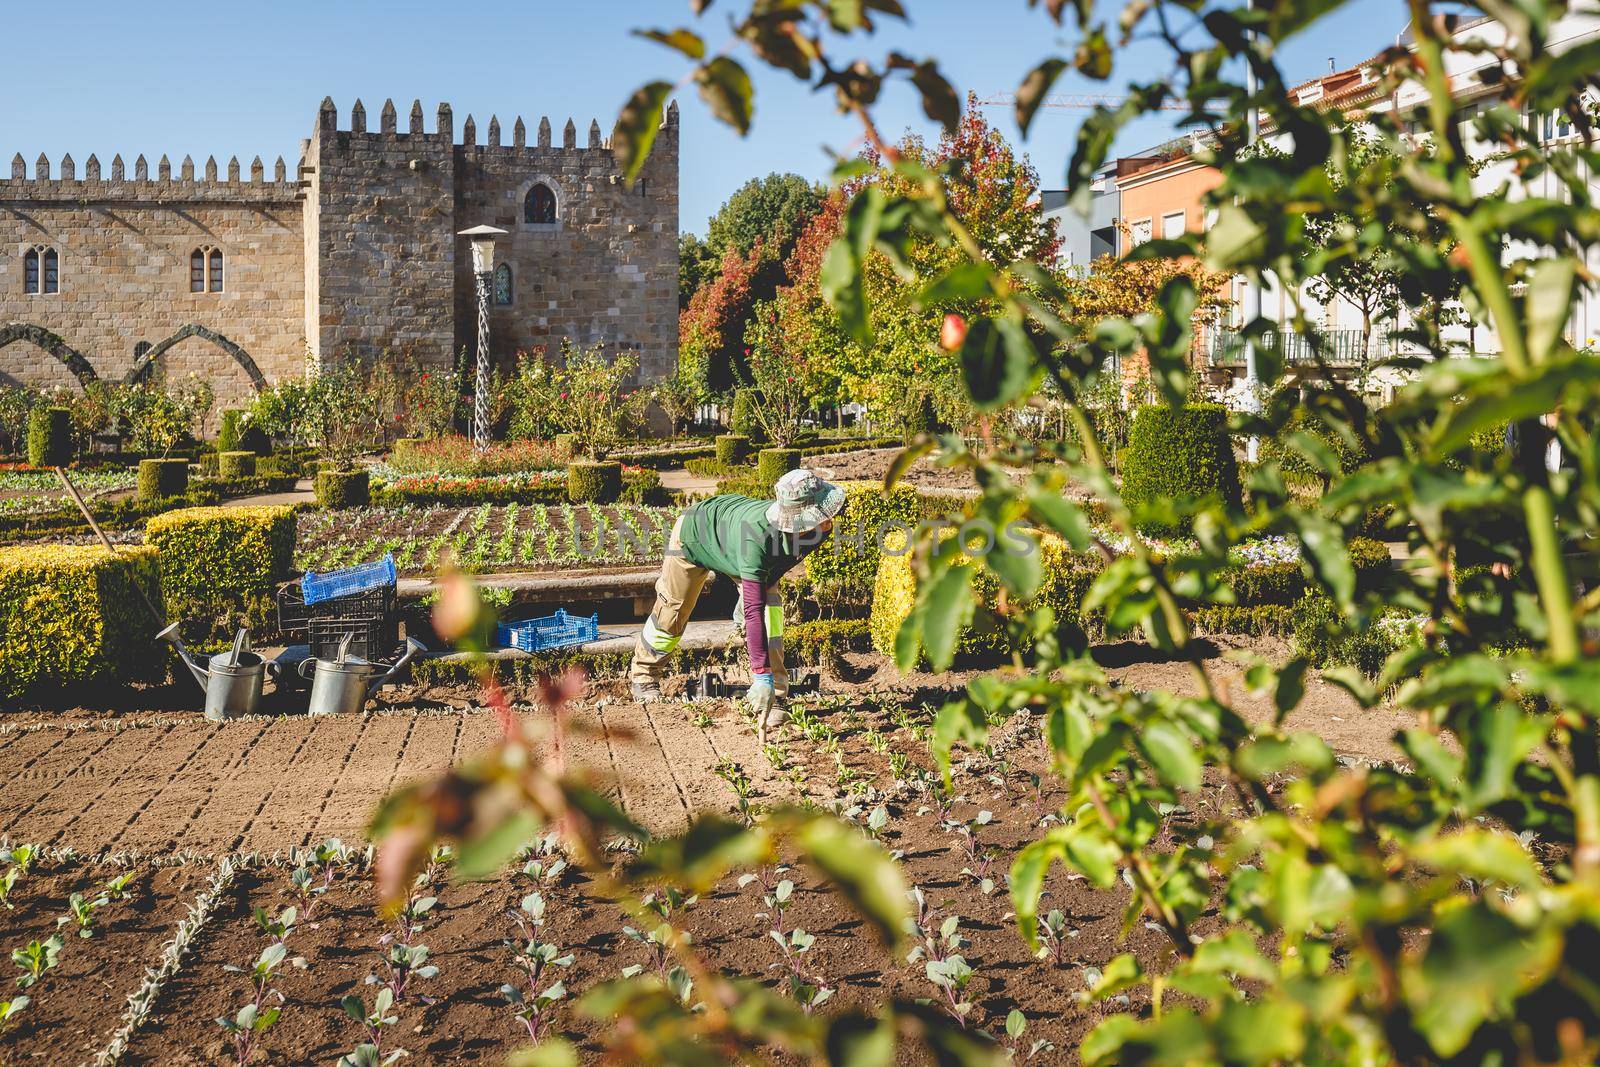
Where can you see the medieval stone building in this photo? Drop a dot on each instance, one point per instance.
(240, 277)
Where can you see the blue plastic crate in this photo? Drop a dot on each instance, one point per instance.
(315, 588)
(554, 631)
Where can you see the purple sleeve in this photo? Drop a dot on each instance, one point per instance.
(754, 597)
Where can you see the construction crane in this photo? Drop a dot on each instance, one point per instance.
(1073, 100)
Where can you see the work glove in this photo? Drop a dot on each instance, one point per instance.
(764, 702)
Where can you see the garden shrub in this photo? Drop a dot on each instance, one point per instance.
(565, 444)
(207, 462)
(642, 487)
(159, 478)
(1067, 576)
(1178, 455)
(708, 468)
(1327, 639)
(1294, 464)
(743, 419)
(456, 455)
(72, 614)
(732, 449)
(594, 481)
(221, 565)
(236, 433)
(774, 463)
(50, 441)
(842, 568)
(403, 445)
(231, 465)
(343, 489)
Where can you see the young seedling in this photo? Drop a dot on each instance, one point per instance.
(10, 1009)
(534, 1012)
(935, 941)
(668, 902)
(117, 888)
(82, 909)
(951, 976)
(374, 1021)
(19, 859)
(246, 1028)
(808, 989)
(262, 972)
(402, 964)
(35, 958)
(980, 860)
(1054, 937)
(1016, 1026)
(655, 942)
(743, 789)
(277, 928)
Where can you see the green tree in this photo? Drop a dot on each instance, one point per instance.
(771, 211)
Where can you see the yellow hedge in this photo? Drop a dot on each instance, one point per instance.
(1067, 576)
(220, 565)
(71, 614)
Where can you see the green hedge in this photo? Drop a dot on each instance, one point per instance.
(1177, 456)
(842, 569)
(710, 468)
(594, 481)
(1269, 599)
(220, 566)
(50, 441)
(566, 444)
(733, 449)
(774, 463)
(72, 614)
(236, 434)
(343, 489)
(638, 487)
(161, 478)
(743, 418)
(231, 465)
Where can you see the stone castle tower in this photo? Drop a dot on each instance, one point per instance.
(239, 279)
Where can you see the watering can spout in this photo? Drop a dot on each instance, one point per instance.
(413, 646)
(170, 635)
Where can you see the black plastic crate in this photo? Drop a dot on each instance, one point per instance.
(372, 637)
(294, 614)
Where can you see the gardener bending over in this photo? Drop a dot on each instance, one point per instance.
(753, 542)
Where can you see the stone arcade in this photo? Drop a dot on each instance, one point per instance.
(240, 277)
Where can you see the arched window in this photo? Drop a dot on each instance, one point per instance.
(205, 270)
(539, 206)
(502, 285)
(41, 270)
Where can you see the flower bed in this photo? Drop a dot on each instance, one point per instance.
(457, 456)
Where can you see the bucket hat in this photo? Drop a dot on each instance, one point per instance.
(803, 502)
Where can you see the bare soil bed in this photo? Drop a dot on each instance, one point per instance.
(163, 782)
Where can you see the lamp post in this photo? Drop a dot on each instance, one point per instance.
(482, 238)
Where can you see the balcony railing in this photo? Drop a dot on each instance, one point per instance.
(1336, 348)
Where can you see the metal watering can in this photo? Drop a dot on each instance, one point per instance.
(342, 685)
(231, 680)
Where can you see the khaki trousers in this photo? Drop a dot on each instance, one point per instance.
(677, 591)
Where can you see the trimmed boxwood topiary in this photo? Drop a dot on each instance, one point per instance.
(72, 614)
(231, 465)
(733, 448)
(774, 463)
(592, 481)
(343, 489)
(236, 434)
(50, 437)
(220, 566)
(843, 567)
(566, 444)
(160, 478)
(1182, 455)
(402, 445)
(743, 420)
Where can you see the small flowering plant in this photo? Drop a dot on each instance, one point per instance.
(588, 393)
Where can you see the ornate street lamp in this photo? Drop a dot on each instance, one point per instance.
(482, 238)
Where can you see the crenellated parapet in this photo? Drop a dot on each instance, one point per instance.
(93, 183)
(356, 127)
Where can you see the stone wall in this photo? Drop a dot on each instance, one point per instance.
(124, 242)
(385, 237)
(605, 271)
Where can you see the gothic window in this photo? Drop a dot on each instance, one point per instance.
(205, 270)
(502, 285)
(539, 206)
(41, 270)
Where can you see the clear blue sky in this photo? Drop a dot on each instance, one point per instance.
(245, 79)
